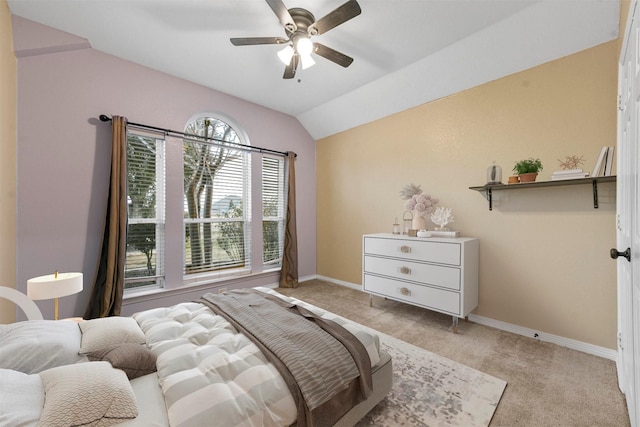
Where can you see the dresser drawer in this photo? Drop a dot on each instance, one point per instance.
(437, 299)
(441, 253)
(437, 275)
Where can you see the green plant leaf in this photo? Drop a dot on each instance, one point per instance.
(529, 165)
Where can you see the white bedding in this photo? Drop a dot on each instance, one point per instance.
(208, 373)
(21, 398)
(152, 412)
(36, 345)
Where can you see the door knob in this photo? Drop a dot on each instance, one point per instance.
(615, 254)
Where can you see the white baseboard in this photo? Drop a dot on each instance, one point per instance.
(584, 347)
(355, 286)
(595, 350)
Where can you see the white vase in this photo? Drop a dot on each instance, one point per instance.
(418, 222)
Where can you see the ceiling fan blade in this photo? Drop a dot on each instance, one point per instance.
(342, 14)
(290, 70)
(283, 14)
(248, 41)
(332, 55)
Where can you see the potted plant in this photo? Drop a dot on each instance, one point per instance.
(528, 169)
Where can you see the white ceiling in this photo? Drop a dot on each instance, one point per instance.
(406, 52)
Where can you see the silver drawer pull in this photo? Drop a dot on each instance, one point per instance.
(405, 291)
(405, 270)
(405, 249)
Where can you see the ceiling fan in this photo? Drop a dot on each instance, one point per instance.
(300, 25)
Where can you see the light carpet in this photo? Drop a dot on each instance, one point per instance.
(431, 390)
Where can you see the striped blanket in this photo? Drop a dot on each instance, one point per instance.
(326, 368)
(211, 374)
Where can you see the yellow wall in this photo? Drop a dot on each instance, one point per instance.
(543, 252)
(7, 160)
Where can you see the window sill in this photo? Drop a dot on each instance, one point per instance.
(204, 286)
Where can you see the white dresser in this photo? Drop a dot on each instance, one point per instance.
(440, 274)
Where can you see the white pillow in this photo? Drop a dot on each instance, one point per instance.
(92, 393)
(21, 398)
(105, 332)
(36, 345)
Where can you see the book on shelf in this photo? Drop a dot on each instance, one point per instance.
(597, 168)
(608, 168)
(575, 175)
(604, 164)
(568, 172)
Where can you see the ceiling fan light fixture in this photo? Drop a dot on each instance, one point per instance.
(304, 46)
(306, 61)
(286, 54)
(300, 25)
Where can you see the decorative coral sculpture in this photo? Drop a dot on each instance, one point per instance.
(441, 217)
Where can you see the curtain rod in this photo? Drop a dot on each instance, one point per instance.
(105, 118)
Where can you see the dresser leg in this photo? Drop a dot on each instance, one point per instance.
(370, 300)
(454, 325)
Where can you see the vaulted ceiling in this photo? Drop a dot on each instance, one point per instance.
(406, 52)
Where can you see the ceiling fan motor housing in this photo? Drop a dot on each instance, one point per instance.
(303, 20)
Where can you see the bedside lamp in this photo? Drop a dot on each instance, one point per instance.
(54, 286)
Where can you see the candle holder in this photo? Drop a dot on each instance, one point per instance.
(407, 220)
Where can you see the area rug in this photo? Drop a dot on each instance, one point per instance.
(431, 390)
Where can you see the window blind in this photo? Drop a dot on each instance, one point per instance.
(217, 209)
(144, 263)
(273, 209)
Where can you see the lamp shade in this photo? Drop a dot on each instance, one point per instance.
(54, 285)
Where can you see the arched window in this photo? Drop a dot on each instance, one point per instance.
(217, 198)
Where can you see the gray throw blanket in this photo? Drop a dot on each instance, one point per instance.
(326, 368)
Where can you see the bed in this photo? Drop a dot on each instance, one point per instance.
(219, 361)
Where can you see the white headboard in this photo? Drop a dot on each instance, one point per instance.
(21, 300)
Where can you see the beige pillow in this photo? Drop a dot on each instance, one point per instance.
(105, 332)
(92, 393)
(135, 360)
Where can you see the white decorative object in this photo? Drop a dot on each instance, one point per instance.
(418, 223)
(441, 217)
(396, 227)
(445, 233)
(494, 174)
(424, 233)
(407, 221)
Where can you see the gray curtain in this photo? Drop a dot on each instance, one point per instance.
(108, 287)
(289, 271)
